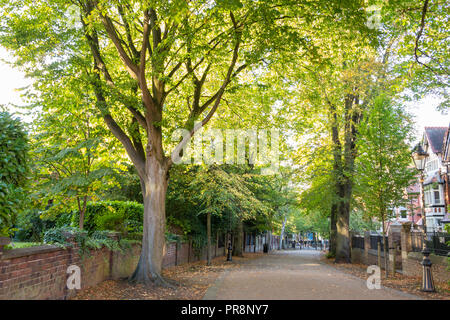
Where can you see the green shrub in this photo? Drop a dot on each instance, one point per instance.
(120, 216)
(13, 170)
(66, 236)
(111, 221)
(134, 236)
(31, 224)
(63, 235)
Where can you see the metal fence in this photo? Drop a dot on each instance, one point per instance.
(437, 242)
(358, 242)
(374, 240)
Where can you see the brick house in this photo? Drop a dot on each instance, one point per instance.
(435, 174)
(446, 174)
(410, 211)
(436, 142)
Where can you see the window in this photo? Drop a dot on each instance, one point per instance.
(403, 214)
(432, 195)
(428, 196)
(432, 165)
(437, 196)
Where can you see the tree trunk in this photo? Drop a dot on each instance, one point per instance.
(82, 210)
(343, 168)
(333, 229)
(153, 241)
(342, 228)
(208, 232)
(386, 257)
(281, 245)
(239, 242)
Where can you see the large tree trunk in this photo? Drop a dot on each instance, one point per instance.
(345, 180)
(343, 234)
(239, 240)
(333, 229)
(153, 241)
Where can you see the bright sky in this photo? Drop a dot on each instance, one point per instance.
(426, 114)
(11, 80)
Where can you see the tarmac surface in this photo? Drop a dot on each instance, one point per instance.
(295, 275)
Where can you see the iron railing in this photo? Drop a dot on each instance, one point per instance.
(437, 242)
(374, 240)
(358, 242)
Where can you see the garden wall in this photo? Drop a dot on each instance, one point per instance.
(407, 262)
(41, 272)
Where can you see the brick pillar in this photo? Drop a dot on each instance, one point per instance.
(406, 240)
(393, 259)
(366, 247)
(391, 246)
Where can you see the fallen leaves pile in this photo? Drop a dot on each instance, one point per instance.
(399, 282)
(190, 282)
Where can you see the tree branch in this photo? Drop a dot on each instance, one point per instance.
(111, 30)
(219, 94)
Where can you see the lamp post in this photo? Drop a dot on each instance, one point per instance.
(230, 248)
(419, 156)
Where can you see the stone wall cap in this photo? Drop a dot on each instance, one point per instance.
(22, 252)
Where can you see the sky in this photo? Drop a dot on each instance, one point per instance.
(12, 79)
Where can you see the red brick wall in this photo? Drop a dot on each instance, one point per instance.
(41, 272)
(170, 255)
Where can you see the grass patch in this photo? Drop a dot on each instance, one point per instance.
(19, 245)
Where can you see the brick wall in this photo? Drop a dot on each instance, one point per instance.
(41, 272)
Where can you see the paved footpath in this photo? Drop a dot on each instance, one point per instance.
(294, 275)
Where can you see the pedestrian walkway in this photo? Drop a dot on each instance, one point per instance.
(294, 275)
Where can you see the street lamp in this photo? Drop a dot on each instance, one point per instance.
(419, 157)
(230, 247)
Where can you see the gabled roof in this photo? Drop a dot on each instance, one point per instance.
(435, 137)
(446, 147)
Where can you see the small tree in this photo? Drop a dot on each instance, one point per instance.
(13, 170)
(383, 166)
(74, 161)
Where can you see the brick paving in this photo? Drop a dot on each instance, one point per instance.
(294, 275)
